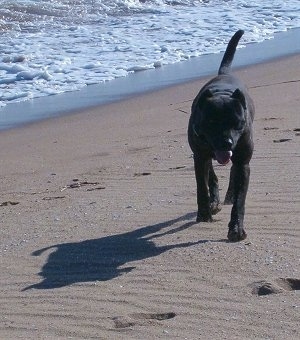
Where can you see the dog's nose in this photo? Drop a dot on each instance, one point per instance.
(228, 143)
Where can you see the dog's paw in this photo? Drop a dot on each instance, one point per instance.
(204, 218)
(215, 207)
(236, 233)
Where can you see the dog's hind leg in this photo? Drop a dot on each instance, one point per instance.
(213, 185)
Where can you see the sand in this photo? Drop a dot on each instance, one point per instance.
(98, 239)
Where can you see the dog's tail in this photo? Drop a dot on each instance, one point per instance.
(229, 53)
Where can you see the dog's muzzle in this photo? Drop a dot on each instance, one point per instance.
(223, 157)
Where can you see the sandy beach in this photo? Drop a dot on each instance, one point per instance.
(98, 239)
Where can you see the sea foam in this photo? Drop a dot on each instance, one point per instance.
(50, 47)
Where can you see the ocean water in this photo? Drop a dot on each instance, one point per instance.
(51, 47)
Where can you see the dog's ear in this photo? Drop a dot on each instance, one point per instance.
(238, 94)
(201, 98)
(206, 94)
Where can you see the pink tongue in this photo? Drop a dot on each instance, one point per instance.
(223, 157)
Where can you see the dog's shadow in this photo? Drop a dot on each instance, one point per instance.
(104, 258)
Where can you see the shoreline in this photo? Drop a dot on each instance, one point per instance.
(13, 115)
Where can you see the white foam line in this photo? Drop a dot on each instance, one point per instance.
(20, 113)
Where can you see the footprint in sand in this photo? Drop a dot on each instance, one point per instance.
(140, 319)
(265, 288)
(138, 174)
(297, 130)
(280, 285)
(289, 283)
(7, 203)
(282, 140)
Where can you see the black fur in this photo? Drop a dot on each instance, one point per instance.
(221, 125)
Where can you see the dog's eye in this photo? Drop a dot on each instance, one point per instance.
(240, 125)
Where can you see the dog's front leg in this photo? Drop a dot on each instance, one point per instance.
(202, 167)
(230, 191)
(240, 176)
(213, 185)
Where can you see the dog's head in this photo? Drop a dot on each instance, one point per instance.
(220, 120)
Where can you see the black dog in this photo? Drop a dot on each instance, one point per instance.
(220, 128)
